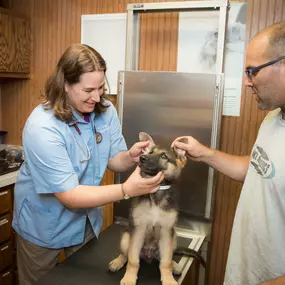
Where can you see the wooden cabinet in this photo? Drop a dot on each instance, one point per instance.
(15, 45)
(7, 246)
(6, 277)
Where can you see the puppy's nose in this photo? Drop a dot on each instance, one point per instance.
(143, 158)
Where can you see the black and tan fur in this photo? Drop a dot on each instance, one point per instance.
(152, 218)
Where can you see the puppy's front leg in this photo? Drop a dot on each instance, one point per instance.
(166, 246)
(135, 246)
(120, 261)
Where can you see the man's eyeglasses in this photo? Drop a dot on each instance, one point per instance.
(251, 71)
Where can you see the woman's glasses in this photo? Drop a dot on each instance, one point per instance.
(250, 72)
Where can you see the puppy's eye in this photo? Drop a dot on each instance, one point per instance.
(164, 156)
(150, 152)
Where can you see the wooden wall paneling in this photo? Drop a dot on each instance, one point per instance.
(173, 39)
(219, 233)
(254, 114)
(224, 206)
(142, 45)
(226, 195)
(278, 10)
(283, 12)
(158, 41)
(152, 37)
(56, 25)
(0, 110)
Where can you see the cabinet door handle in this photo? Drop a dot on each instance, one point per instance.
(4, 248)
(6, 274)
(3, 193)
(3, 222)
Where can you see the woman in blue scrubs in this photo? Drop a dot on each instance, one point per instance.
(69, 141)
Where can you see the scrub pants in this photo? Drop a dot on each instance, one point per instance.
(34, 261)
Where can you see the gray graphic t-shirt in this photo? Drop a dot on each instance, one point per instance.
(257, 249)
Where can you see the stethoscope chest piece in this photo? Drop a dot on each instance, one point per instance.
(98, 137)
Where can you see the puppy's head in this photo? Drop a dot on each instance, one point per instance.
(155, 158)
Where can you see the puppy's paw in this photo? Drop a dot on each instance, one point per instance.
(116, 264)
(176, 269)
(128, 280)
(169, 281)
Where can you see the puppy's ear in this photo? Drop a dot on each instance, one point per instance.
(146, 137)
(181, 154)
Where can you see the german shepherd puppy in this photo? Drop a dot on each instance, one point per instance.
(152, 219)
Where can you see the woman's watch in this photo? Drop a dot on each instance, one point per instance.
(126, 196)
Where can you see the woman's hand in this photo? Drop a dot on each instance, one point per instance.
(194, 148)
(137, 185)
(124, 160)
(136, 150)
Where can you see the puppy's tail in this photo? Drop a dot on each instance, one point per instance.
(191, 253)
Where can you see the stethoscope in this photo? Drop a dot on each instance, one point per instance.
(98, 136)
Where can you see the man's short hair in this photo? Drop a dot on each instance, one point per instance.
(276, 40)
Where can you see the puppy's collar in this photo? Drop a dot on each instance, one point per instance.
(164, 187)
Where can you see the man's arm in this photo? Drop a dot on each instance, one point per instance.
(233, 166)
(276, 281)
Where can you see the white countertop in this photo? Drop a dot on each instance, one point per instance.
(8, 179)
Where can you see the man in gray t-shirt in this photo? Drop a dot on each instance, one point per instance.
(257, 251)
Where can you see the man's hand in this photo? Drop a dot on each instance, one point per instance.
(194, 148)
(276, 281)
